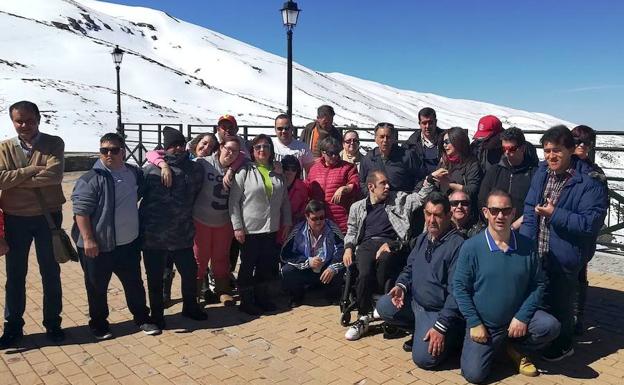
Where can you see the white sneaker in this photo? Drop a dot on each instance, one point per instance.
(376, 315)
(358, 329)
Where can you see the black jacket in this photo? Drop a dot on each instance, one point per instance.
(514, 180)
(402, 167)
(166, 214)
(487, 151)
(415, 144)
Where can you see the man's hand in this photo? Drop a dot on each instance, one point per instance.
(166, 176)
(383, 249)
(347, 257)
(517, 223)
(338, 195)
(545, 210)
(34, 170)
(397, 295)
(240, 236)
(327, 276)
(516, 329)
(436, 342)
(316, 262)
(4, 246)
(91, 249)
(479, 334)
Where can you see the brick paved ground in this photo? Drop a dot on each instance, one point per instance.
(305, 345)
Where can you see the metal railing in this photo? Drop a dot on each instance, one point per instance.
(143, 137)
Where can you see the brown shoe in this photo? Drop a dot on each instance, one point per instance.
(222, 287)
(522, 363)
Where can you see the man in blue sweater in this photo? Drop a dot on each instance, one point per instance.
(498, 285)
(422, 296)
(563, 212)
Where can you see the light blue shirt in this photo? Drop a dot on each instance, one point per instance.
(126, 210)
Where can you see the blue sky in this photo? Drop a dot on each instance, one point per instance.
(564, 58)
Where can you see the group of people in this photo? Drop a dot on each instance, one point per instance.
(471, 246)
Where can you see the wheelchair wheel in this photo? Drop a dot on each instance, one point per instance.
(345, 318)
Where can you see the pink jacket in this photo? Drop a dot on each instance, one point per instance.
(323, 181)
(298, 196)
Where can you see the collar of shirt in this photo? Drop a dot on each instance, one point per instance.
(513, 244)
(28, 150)
(426, 142)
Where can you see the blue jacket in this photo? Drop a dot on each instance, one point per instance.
(579, 214)
(296, 249)
(430, 283)
(94, 197)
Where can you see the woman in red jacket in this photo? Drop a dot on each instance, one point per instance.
(334, 181)
(297, 191)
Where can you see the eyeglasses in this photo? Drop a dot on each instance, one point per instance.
(446, 142)
(494, 211)
(510, 148)
(317, 219)
(260, 147)
(463, 202)
(586, 143)
(331, 153)
(352, 141)
(280, 129)
(228, 150)
(111, 150)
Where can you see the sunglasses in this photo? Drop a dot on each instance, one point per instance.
(494, 211)
(280, 129)
(578, 142)
(317, 219)
(446, 142)
(352, 141)
(260, 147)
(462, 202)
(111, 150)
(510, 148)
(331, 153)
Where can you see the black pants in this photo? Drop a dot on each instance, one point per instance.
(296, 281)
(19, 234)
(581, 297)
(559, 299)
(257, 259)
(373, 273)
(234, 252)
(125, 262)
(155, 261)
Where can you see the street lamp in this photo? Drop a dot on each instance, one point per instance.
(290, 13)
(117, 57)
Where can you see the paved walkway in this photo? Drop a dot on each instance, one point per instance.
(305, 345)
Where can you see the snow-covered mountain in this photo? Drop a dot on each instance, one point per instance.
(57, 54)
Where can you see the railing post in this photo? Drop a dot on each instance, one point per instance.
(140, 146)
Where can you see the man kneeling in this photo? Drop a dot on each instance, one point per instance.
(499, 285)
(312, 255)
(422, 297)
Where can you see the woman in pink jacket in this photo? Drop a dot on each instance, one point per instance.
(334, 181)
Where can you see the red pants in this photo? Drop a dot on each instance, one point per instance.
(212, 244)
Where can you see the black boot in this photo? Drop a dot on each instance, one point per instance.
(167, 282)
(262, 297)
(247, 302)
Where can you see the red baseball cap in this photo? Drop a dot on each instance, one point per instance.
(229, 118)
(488, 125)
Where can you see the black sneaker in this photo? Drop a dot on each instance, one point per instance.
(295, 301)
(150, 329)
(557, 354)
(55, 334)
(9, 339)
(195, 314)
(579, 328)
(101, 334)
(407, 345)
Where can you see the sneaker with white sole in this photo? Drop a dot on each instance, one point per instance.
(150, 329)
(358, 329)
(376, 315)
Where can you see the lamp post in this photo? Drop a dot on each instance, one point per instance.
(290, 13)
(117, 57)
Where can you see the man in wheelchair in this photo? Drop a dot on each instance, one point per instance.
(378, 232)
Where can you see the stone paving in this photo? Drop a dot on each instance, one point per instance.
(305, 345)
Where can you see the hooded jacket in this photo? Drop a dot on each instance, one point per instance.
(94, 197)
(576, 220)
(514, 180)
(166, 214)
(488, 151)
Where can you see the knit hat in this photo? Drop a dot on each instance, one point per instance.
(229, 118)
(488, 125)
(172, 136)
